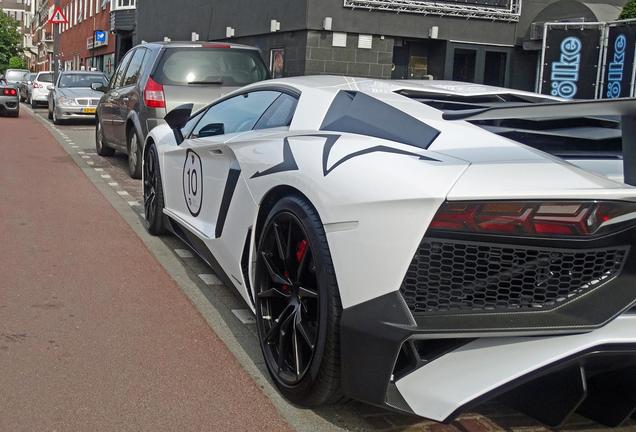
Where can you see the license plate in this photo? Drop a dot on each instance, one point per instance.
(89, 110)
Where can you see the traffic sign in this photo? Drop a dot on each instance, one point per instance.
(101, 37)
(58, 17)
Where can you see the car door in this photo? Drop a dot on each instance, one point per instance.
(106, 107)
(127, 98)
(198, 170)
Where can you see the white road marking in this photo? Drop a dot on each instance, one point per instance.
(133, 203)
(184, 253)
(113, 184)
(74, 146)
(81, 152)
(123, 193)
(90, 162)
(245, 316)
(99, 169)
(210, 279)
(86, 157)
(106, 176)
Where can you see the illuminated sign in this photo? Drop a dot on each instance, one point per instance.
(565, 72)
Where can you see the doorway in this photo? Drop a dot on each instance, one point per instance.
(480, 64)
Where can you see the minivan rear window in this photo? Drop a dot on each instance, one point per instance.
(16, 75)
(45, 77)
(222, 66)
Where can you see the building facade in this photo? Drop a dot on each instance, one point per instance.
(42, 36)
(85, 41)
(495, 42)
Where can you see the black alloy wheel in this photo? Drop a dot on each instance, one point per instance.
(297, 305)
(153, 193)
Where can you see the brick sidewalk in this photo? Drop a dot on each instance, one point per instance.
(94, 335)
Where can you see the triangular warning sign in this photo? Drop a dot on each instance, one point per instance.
(58, 17)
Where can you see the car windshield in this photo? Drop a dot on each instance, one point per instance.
(222, 66)
(45, 77)
(83, 80)
(32, 77)
(16, 75)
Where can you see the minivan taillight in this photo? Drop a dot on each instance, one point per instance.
(37, 85)
(10, 92)
(534, 218)
(153, 94)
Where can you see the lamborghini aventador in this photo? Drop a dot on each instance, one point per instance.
(422, 246)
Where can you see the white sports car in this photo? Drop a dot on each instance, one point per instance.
(422, 246)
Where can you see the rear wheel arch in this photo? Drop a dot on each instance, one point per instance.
(269, 201)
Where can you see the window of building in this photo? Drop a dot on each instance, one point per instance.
(122, 4)
(495, 68)
(464, 65)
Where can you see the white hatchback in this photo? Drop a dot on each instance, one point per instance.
(40, 93)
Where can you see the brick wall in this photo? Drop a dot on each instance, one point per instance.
(73, 39)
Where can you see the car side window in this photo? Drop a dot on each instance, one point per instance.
(189, 127)
(237, 114)
(279, 114)
(118, 77)
(134, 68)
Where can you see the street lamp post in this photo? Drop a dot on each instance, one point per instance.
(56, 47)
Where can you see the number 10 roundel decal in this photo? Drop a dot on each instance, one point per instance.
(193, 182)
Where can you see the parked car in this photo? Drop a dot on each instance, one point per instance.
(9, 99)
(74, 96)
(40, 89)
(16, 76)
(413, 244)
(153, 78)
(26, 86)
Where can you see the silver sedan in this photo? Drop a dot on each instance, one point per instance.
(74, 95)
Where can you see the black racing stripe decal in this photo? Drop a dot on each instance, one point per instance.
(230, 187)
(383, 149)
(288, 163)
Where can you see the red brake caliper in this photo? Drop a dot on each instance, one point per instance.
(301, 249)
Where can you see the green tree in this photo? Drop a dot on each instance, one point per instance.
(629, 11)
(16, 62)
(9, 39)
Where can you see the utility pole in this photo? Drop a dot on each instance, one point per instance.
(56, 47)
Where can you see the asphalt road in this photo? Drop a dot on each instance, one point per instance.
(124, 331)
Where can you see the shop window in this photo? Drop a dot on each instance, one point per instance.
(495, 68)
(464, 64)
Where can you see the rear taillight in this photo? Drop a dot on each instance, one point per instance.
(530, 218)
(9, 92)
(153, 95)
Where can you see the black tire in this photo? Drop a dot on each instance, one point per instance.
(56, 121)
(135, 154)
(308, 374)
(153, 193)
(101, 146)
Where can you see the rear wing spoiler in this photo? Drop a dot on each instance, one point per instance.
(625, 108)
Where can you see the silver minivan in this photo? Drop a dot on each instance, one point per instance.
(154, 78)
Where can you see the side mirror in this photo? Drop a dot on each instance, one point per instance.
(50, 87)
(98, 87)
(211, 129)
(177, 119)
